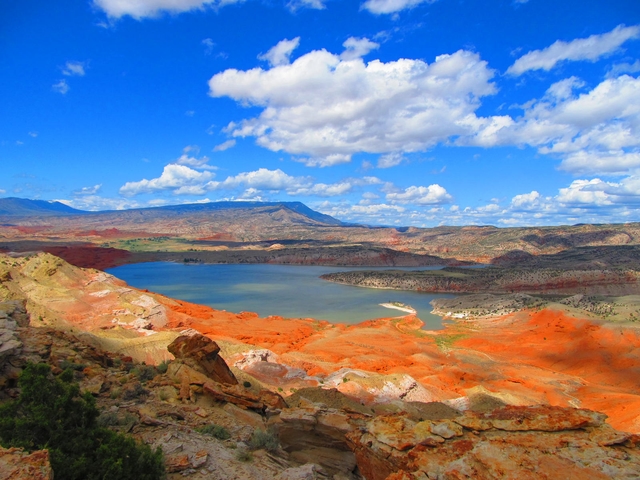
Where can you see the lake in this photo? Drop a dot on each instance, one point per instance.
(289, 291)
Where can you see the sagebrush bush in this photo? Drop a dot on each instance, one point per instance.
(51, 413)
(261, 439)
(216, 431)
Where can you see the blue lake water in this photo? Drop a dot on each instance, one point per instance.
(285, 290)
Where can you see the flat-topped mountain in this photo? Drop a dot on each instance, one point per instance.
(23, 207)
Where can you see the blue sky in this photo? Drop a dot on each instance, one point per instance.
(396, 112)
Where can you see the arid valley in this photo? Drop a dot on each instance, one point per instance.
(536, 342)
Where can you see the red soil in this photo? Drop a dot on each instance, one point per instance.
(90, 257)
(536, 357)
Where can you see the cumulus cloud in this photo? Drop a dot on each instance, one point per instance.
(431, 195)
(525, 199)
(225, 146)
(88, 190)
(596, 132)
(61, 87)
(391, 6)
(357, 48)
(591, 49)
(74, 69)
(95, 203)
(180, 178)
(280, 54)
(263, 179)
(324, 108)
(139, 9)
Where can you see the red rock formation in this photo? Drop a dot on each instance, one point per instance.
(15, 464)
(201, 353)
(513, 442)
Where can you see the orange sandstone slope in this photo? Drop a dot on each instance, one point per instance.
(524, 358)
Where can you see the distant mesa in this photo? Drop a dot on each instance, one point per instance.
(22, 207)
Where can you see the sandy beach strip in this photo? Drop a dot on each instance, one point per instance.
(404, 308)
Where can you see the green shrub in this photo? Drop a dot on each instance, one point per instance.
(51, 413)
(261, 439)
(214, 430)
(244, 455)
(134, 392)
(145, 372)
(163, 366)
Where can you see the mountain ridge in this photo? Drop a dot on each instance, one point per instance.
(22, 207)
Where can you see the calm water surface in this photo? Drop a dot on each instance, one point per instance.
(285, 290)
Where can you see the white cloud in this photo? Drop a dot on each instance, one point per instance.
(263, 179)
(74, 69)
(88, 190)
(357, 48)
(60, 87)
(194, 162)
(2, 191)
(591, 49)
(391, 6)
(525, 199)
(431, 195)
(327, 108)
(326, 161)
(582, 192)
(208, 46)
(33, 134)
(620, 68)
(225, 145)
(174, 177)
(294, 5)
(280, 54)
(390, 160)
(595, 132)
(95, 203)
(139, 9)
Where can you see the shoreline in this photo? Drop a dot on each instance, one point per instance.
(405, 308)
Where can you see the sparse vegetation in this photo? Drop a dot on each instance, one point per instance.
(264, 439)
(163, 366)
(134, 392)
(51, 413)
(145, 372)
(244, 455)
(215, 431)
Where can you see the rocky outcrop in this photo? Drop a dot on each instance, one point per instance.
(317, 434)
(16, 464)
(202, 354)
(12, 316)
(537, 442)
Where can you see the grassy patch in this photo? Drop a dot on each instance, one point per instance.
(446, 342)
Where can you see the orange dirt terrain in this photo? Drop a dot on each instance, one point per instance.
(526, 358)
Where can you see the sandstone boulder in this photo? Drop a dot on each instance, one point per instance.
(202, 354)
